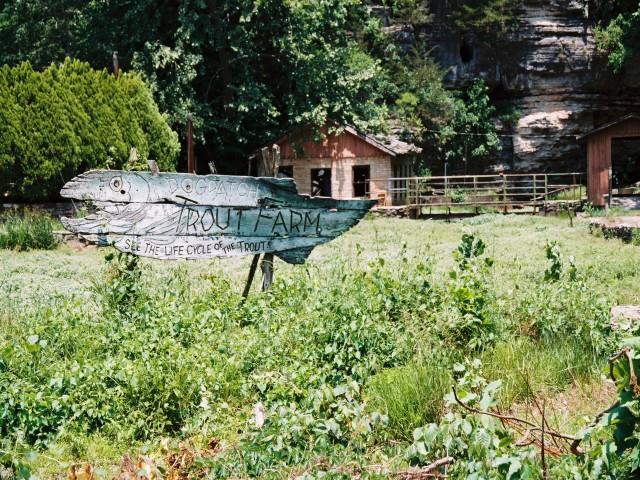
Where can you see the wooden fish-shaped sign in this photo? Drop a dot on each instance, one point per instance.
(177, 215)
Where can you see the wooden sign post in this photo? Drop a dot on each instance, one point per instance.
(186, 216)
(191, 162)
(271, 162)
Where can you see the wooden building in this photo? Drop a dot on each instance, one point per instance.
(600, 162)
(345, 165)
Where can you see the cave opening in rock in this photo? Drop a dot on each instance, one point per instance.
(466, 51)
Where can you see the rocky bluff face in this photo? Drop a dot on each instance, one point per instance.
(548, 69)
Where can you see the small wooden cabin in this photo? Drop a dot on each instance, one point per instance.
(600, 161)
(345, 165)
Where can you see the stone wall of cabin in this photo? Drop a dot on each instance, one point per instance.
(342, 174)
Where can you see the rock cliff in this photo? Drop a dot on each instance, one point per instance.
(548, 69)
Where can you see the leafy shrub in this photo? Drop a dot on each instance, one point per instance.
(563, 307)
(121, 290)
(470, 323)
(70, 118)
(328, 420)
(28, 232)
(473, 112)
(618, 39)
(552, 252)
(458, 195)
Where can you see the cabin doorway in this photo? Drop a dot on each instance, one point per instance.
(320, 182)
(361, 178)
(625, 166)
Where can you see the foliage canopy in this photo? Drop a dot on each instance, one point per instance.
(618, 32)
(469, 137)
(251, 70)
(487, 17)
(248, 70)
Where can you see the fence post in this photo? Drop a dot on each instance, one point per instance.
(504, 193)
(546, 192)
(271, 159)
(535, 194)
(546, 186)
(580, 189)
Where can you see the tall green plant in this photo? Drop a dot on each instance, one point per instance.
(471, 323)
(28, 232)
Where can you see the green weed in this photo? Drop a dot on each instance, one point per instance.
(31, 231)
(410, 396)
(537, 369)
(469, 322)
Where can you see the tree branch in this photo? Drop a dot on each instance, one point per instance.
(534, 427)
(425, 472)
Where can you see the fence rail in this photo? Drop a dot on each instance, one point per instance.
(498, 191)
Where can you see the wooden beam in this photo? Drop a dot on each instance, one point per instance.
(191, 164)
(272, 162)
(153, 167)
(116, 65)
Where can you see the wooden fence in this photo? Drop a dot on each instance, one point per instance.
(502, 192)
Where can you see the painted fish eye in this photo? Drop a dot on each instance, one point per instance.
(187, 185)
(116, 184)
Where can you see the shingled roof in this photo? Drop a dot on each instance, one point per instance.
(394, 143)
(631, 116)
(397, 142)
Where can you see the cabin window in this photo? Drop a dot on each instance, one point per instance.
(285, 171)
(320, 182)
(361, 180)
(466, 51)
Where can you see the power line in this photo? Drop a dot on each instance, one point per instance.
(500, 134)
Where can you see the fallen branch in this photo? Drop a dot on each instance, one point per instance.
(575, 445)
(545, 424)
(510, 418)
(428, 471)
(491, 414)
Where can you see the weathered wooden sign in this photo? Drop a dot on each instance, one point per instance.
(176, 215)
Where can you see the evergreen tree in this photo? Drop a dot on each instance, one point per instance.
(71, 118)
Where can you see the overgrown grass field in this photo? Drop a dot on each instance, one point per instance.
(345, 367)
